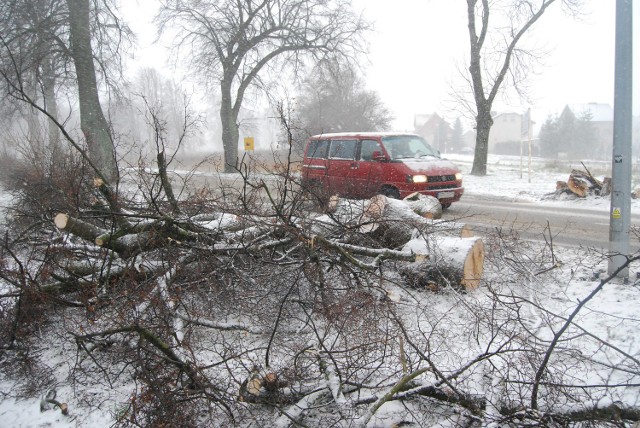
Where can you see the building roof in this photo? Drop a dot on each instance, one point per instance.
(600, 112)
(420, 120)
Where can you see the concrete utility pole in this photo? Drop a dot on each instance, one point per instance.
(620, 213)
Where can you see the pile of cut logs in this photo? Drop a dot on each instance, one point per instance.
(583, 184)
(442, 252)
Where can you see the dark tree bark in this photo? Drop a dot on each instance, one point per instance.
(229, 120)
(37, 59)
(94, 125)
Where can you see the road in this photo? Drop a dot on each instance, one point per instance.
(569, 226)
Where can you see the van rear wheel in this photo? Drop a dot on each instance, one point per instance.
(390, 192)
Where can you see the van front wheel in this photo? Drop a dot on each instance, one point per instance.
(390, 192)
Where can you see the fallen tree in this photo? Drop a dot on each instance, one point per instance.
(438, 253)
(245, 307)
(445, 260)
(220, 308)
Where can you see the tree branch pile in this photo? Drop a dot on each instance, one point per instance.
(232, 304)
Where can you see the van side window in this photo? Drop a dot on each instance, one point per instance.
(367, 147)
(343, 149)
(318, 149)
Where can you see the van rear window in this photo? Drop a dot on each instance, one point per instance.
(318, 149)
(343, 149)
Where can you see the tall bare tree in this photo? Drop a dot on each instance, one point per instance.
(28, 28)
(232, 42)
(496, 56)
(94, 124)
(43, 42)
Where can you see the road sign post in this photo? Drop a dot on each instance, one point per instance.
(620, 212)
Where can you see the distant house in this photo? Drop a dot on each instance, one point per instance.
(601, 117)
(506, 133)
(434, 129)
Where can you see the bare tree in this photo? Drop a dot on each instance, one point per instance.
(334, 99)
(495, 57)
(94, 124)
(232, 42)
(42, 42)
(28, 28)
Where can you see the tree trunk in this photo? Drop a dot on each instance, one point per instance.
(230, 134)
(426, 206)
(578, 186)
(484, 121)
(51, 105)
(445, 260)
(389, 221)
(436, 253)
(92, 121)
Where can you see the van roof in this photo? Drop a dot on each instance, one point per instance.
(361, 134)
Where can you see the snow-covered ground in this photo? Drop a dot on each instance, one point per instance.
(507, 179)
(612, 314)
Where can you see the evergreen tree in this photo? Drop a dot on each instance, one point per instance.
(568, 134)
(456, 136)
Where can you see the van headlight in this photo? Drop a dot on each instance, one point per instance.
(458, 176)
(417, 178)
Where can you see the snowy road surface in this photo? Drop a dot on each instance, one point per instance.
(570, 224)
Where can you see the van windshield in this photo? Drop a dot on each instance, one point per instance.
(408, 146)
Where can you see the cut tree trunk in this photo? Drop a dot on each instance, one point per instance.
(447, 228)
(583, 182)
(381, 209)
(390, 222)
(346, 211)
(424, 205)
(444, 252)
(126, 246)
(445, 260)
(77, 227)
(578, 185)
(395, 222)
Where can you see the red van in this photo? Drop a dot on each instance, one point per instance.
(360, 165)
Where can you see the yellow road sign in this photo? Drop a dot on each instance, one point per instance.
(248, 144)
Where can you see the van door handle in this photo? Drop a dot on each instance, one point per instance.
(354, 165)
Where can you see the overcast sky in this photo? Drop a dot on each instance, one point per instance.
(418, 45)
